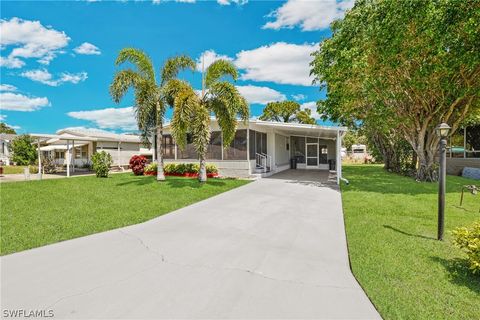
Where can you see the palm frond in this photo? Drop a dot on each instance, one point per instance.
(171, 88)
(138, 58)
(174, 65)
(186, 103)
(122, 81)
(228, 105)
(219, 69)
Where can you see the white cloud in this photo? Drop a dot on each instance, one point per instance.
(208, 57)
(7, 87)
(298, 97)
(260, 95)
(228, 2)
(45, 77)
(309, 15)
(2, 117)
(109, 118)
(30, 39)
(20, 102)
(87, 48)
(312, 105)
(281, 62)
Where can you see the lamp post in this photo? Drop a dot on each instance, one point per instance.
(442, 131)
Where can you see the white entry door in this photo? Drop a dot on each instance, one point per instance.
(312, 155)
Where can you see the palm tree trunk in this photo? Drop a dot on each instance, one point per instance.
(202, 173)
(160, 173)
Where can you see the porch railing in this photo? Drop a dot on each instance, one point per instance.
(263, 161)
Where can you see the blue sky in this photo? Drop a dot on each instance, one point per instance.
(57, 58)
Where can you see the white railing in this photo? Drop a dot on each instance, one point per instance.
(263, 161)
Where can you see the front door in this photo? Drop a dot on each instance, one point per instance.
(312, 155)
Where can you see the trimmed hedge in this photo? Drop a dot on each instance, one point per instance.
(181, 169)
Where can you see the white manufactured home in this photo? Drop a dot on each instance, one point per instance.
(266, 147)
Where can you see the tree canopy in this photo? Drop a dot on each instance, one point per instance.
(23, 150)
(4, 128)
(403, 67)
(286, 111)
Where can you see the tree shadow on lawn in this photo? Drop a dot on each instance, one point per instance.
(407, 233)
(459, 273)
(173, 182)
(377, 180)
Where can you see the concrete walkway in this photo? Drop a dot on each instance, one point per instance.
(274, 248)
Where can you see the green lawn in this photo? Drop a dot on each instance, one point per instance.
(391, 226)
(36, 213)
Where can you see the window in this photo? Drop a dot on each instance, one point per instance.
(251, 138)
(214, 148)
(189, 151)
(238, 148)
(168, 147)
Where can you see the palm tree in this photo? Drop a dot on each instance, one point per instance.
(191, 112)
(149, 105)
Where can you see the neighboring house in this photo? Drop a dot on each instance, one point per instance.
(359, 151)
(76, 146)
(265, 147)
(5, 140)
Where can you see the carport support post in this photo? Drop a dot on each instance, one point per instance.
(73, 155)
(67, 155)
(39, 160)
(338, 165)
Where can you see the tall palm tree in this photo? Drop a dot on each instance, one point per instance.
(149, 106)
(191, 112)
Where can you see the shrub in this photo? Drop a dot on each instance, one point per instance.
(101, 162)
(137, 164)
(211, 168)
(24, 152)
(150, 168)
(181, 168)
(468, 239)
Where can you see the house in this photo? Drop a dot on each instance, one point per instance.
(75, 147)
(5, 140)
(265, 147)
(359, 151)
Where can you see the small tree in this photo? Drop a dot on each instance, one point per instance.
(137, 164)
(23, 151)
(101, 163)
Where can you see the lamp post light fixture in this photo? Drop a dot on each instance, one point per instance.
(442, 131)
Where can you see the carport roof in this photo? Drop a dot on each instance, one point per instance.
(302, 129)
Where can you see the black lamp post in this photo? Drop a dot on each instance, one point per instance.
(442, 131)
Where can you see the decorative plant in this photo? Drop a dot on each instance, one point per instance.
(101, 162)
(49, 165)
(137, 164)
(468, 239)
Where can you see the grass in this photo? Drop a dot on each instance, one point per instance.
(391, 224)
(36, 213)
(18, 169)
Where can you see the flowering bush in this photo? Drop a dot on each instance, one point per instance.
(468, 239)
(137, 164)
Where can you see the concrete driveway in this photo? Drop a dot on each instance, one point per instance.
(274, 248)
